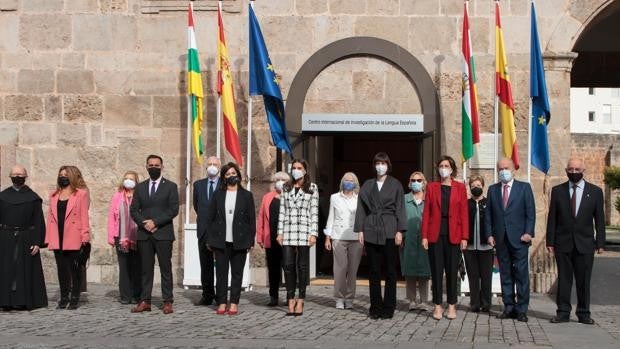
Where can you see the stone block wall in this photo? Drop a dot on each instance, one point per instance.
(101, 84)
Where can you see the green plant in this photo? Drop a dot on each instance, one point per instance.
(612, 179)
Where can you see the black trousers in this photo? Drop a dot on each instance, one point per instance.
(296, 260)
(580, 266)
(148, 249)
(274, 268)
(69, 273)
(235, 259)
(389, 254)
(207, 277)
(479, 274)
(444, 257)
(129, 274)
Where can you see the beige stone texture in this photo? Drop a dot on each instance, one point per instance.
(418, 8)
(349, 7)
(9, 5)
(140, 149)
(274, 7)
(389, 28)
(53, 108)
(96, 135)
(479, 30)
(23, 108)
(288, 34)
(329, 29)
(333, 86)
(79, 108)
(8, 133)
(451, 7)
(368, 86)
(437, 34)
(113, 6)
(36, 133)
(73, 60)
(42, 5)
(583, 10)
(311, 7)
(1, 108)
(154, 34)
(106, 32)
(9, 33)
(46, 60)
(385, 7)
(127, 111)
(170, 111)
(71, 134)
(7, 81)
(81, 6)
(35, 81)
(45, 31)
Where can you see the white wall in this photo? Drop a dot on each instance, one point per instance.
(603, 101)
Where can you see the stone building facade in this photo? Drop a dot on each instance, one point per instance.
(101, 84)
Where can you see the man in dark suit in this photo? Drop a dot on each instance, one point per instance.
(575, 207)
(155, 204)
(204, 190)
(510, 221)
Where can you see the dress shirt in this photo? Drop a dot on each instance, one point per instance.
(229, 205)
(580, 186)
(157, 182)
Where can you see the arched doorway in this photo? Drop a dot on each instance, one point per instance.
(333, 151)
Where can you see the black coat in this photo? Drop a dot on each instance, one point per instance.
(244, 220)
(565, 231)
(482, 207)
(201, 204)
(162, 208)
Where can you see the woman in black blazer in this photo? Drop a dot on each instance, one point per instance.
(231, 220)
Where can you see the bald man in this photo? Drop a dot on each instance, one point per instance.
(22, 234)
(576, 208)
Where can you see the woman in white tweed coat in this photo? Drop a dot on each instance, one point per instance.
(298, 226)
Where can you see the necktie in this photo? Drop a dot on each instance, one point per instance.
(152, 188)
(210, 190)
(573, 201)
(505, 197)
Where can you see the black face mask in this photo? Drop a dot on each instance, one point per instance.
(574, 177)
(476, 191)
(18, 181)
(154, 172)
(63, 182)
(233, 180)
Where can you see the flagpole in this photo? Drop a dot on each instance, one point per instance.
(496, 117)
(249, 156)
(529, 143)
(188, 154)
(218, 131)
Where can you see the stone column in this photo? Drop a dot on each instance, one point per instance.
(557, 72)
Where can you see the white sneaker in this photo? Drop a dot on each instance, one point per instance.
(339, 304)
(413, 305)
(348, 304)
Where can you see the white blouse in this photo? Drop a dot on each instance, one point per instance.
(341, 217)
(229, 205)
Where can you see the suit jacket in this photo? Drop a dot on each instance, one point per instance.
(299, 216)
(201, 203)
(565, 231)
(380, 213)
(458, 216)
(263, 231)
(519, 217)
(161, 208)
(77, 226)
(244, 220)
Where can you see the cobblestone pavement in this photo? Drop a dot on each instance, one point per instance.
(102, 322)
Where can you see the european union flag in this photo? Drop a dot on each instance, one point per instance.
(264, 81)
(541, 113)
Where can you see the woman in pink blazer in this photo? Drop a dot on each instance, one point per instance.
(67, 229)
(122, 234)
(266, 232)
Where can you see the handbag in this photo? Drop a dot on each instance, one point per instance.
(84, 254)
(461, 268)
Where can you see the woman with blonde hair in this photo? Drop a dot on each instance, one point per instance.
(67, 230)
(122, 234)
(340, 237)
(267, 231)
(413, 257)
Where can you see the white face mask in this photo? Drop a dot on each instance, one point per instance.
(445, 172)
(297, 174)
(279, 186)
(212, 171)
(505, 176)
(381, 169)
(129, 183)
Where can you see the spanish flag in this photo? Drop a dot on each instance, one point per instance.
(225, 90)
(502, 85)
(194, 85)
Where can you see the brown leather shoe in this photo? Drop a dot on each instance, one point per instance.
(142, 306)
(167, 308)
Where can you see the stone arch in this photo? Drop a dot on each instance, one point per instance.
(382, 49)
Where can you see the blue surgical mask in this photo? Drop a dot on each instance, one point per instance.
(348, 186)
(505, 176)
(416, 187)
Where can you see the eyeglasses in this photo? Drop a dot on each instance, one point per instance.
(419, 180)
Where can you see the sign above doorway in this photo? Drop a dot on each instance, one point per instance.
(362, 123)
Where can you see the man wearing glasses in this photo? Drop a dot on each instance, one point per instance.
(576, 208)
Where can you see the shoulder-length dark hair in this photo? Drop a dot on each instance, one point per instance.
(307, 181)
(225, 169)
(452, 165)
(382, 157)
